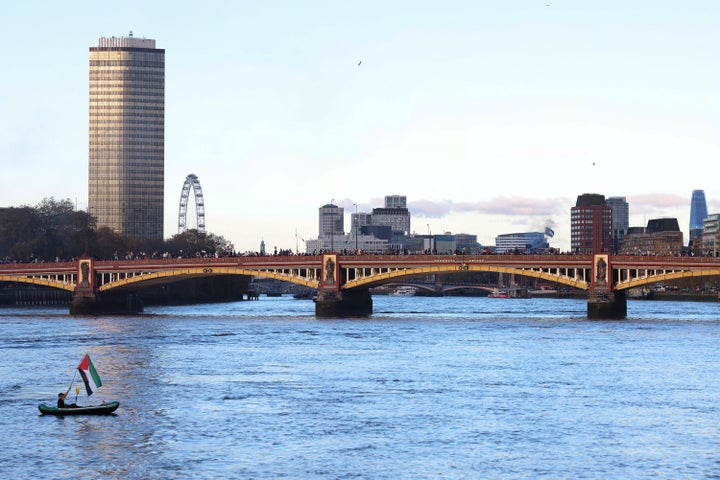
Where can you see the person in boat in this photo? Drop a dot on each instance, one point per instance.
(61, 401)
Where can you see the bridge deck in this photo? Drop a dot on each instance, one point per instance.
(363, 271)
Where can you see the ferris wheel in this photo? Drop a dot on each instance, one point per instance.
(191, 181)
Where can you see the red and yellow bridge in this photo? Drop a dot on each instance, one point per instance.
(343, 281)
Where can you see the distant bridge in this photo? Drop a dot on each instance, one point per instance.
(445, 287)
(343, 281)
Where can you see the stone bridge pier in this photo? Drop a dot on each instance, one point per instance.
(603, 302)
(348, 303)
(332, 302)
(607, 305)
(106, 304)
(87, 301)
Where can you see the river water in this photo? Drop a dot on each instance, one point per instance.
(424, 388)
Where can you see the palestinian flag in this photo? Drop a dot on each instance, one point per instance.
(88, 373)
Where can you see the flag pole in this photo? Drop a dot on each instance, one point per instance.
(71, 383)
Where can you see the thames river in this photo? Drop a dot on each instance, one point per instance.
(425, 388)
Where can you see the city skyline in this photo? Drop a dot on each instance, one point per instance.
(491, 118)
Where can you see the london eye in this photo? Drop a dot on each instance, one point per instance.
(191, 181)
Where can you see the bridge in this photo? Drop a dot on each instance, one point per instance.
(343, 281)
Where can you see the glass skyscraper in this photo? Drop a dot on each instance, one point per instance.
(127, 136)
(620, 220)
(698, 213)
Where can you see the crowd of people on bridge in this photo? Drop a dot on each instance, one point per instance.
(141, 255)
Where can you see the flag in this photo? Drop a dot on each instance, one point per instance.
(88, 372)
(549, 232)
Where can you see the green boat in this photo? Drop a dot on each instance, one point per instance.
(104, 409)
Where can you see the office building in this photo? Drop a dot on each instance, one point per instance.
(591, 225)
(711, 235)
(331, 236)
(127, 136)
(528, 242)
(698, 213)
(467, 243)
(662, 236)
(444, 243)
(358, 221)
(395, 217)
(620, 220)
(385, 229)
(331, 224)
(342, 243)
(395, 201)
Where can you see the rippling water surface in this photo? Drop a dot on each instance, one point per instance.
(425, 388)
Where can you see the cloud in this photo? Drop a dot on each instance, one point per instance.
(653, 203)
(506, 206)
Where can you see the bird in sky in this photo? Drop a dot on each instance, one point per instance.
(359, 63)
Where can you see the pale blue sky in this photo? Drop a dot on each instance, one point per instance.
(490, 116)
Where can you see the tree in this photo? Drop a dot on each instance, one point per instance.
(51, 208)
(107, 243)
(191, 243)
(19, 233)
(54, 230)
(65, 233)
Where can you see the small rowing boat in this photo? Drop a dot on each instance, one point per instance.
(104, 409)
(91, 379)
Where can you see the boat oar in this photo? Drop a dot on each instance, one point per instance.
(77, 389)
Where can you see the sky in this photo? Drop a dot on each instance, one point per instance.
(491, 117)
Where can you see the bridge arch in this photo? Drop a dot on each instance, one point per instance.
(62, 284)
(662, 277)
(174, 275)
(401, 273)
(445, 288)
(191, 181)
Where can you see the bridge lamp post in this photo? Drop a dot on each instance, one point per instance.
(430, 242)
(356, 228)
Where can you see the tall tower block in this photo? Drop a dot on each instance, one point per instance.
(127, 136)
(591, 225)
(698, 213)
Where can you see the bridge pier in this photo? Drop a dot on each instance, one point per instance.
(605, 305)
(106, 304)
(349, 303)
